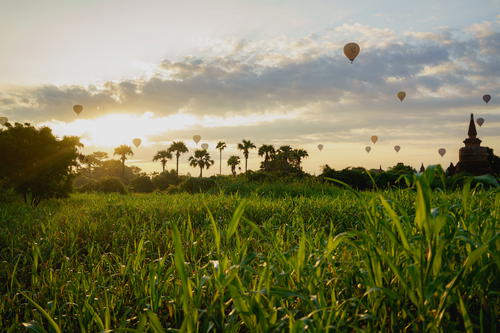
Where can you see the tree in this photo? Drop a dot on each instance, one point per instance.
(35, 163)
(246, 145)
(179, 148)
(297, 156)
(233, 162)
(114, 168)
(201, 159)
(123, 151)
(284, 160)
(91, 161)
(162, 156)
(267, 151)
(221, 146)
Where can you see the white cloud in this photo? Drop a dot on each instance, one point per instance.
(287, 90)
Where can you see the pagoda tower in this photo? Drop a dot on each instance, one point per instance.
(473, 158)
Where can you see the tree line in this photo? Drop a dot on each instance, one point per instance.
(285, 158)
(37, 165)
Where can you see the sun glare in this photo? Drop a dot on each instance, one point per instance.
(115, 129)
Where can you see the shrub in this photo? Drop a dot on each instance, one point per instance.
(110, 185)
(165, 179)
(196, 185)
(142, 184)
(90, 186)
(357, 178)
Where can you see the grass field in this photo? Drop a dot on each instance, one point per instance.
(409, 259)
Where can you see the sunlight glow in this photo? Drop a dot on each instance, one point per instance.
(115, 129)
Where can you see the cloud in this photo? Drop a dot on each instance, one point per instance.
(296, 90)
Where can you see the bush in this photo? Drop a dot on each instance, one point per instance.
(165, 179)
(110, 185)
(259, 176)
(90, 186)
(197, 185)
(357, 178)
(142, 184)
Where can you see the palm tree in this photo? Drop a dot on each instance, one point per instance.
(298, 155)
(246, 145)
(179, 148)
(221, 146)
(162, 156)
(201, 159)
(123, 151)
(267, 151)
(233, 161)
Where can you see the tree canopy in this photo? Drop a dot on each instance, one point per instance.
(35, 163)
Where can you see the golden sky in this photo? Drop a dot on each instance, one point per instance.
(269, 71)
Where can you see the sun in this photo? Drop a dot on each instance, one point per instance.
(115, 129)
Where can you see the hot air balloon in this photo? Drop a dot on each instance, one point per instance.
(204, 146)
(351, 51)
(320, 147)
(401, 95)
(397, 148)
(196, 138)
(486, 98)
(480, 121)
(374, 139)
(442, 151)
(137, 142)
(78, 109)
(3, 120)
(368, 148)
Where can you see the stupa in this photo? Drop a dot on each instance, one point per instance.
(473, 158)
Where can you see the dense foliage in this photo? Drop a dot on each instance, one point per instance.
(35, 163)
(408, 259)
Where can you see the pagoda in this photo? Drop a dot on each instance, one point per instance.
(473, 158)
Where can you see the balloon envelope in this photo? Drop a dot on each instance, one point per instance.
(397, 148)
(3, 120)
(351, 51)
(442, 151)
(401, 95)
(137, 142)
(480, 121)
(196, 138)
(368, 148)
(77, 108)
(486, 98)
(374, 138)
(204, 146)
(320, 147)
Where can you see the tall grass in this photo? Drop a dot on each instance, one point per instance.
(396, 260)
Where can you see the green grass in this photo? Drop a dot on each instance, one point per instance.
(342, 261)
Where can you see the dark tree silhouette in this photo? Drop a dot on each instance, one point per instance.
(123, 151)
(268, 152)
(245, 146)
(233, 162)
(221, 146)
(162, 156)
(201, 159)
(35, 163)
(178, 147)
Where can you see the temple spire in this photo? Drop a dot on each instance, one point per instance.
(472, 127)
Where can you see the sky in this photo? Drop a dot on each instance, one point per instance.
(269, 71)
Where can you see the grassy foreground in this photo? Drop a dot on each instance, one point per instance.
(391, 261)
